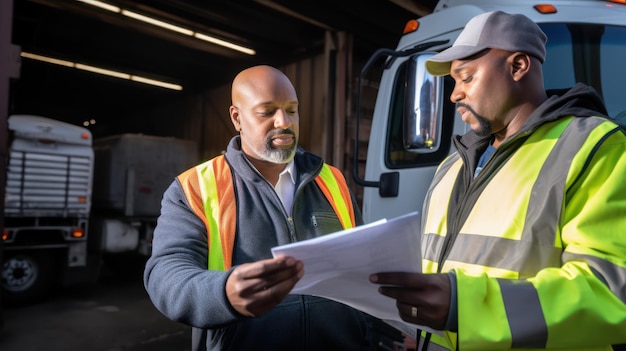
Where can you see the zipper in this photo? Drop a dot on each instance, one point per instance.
(292, 229)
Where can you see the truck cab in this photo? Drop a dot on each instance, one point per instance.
(414, 120)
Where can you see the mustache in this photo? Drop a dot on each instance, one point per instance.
(467, 107)
(276, 132)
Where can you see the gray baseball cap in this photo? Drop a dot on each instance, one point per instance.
(491, 30)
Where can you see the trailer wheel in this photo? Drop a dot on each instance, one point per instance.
(26, 277)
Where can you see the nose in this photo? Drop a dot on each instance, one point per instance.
(282, 119)
(457, 94)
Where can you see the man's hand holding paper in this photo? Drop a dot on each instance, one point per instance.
(338, 266)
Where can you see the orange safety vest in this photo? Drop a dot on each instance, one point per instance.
(210, 193)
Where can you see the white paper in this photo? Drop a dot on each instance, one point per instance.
(337, 266)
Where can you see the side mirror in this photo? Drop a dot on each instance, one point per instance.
(422, 114)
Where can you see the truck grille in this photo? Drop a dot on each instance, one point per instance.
(40, 184)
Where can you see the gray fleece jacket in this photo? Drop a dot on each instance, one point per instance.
(180, 286)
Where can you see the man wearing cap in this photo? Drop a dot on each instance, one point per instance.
(524, 229)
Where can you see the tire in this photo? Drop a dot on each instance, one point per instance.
(27, 277)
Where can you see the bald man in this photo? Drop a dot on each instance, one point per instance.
(211, 265)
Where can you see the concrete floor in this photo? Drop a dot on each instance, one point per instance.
(115, 316)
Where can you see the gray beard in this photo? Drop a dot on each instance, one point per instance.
(279, 155)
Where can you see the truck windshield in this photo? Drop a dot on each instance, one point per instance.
(592, 54)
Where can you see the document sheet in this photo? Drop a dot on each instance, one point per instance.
(337, 266)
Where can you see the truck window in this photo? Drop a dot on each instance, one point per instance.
(592, 54)
(396, 156)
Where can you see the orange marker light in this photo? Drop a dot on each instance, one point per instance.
(411, 26)
(78, 233)
(545, 8)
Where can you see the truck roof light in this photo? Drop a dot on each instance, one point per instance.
(545, 8)
(623, 2)
(84, 136)
(411, 26)
(78, 232)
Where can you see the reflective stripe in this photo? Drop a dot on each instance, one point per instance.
(611, 275)
(337, 194)
(524, 314)
(512, 254)
(210, 192)
(210, 204)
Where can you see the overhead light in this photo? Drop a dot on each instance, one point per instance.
(169, 26)
(47, 59)
(156, 82)
(224, 43)
(157, 23)
(103, 71)
(101, 5)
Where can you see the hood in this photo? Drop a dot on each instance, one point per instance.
(581, 101)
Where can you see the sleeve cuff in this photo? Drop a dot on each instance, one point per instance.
(452, 324)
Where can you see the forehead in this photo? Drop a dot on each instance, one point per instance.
(269, 92)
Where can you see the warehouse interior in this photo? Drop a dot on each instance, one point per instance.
(160, 67)
(116, 38)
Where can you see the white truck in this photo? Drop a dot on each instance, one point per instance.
(413, 118)
(73, 203)
(131, 173)
(47, 205)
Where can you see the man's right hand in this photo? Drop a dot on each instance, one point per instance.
(255, 288)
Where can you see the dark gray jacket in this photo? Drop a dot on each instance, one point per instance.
(181, 287)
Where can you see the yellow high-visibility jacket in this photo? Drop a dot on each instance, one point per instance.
(537, 241)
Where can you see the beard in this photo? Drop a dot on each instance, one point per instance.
(274, 155)
(484, 126)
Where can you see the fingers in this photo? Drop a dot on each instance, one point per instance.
(255, 288)
(401, 295)
(405, 279)
(420, 298)
(265, 274)
(267, 267)
(409, 313)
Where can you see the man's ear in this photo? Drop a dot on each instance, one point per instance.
(520, 65)
(234, 117)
